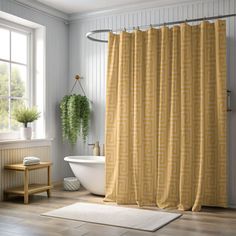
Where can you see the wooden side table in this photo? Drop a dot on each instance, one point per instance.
(28, 189)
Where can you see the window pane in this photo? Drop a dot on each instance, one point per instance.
(4, 44)
(19, 47)
(18, 80)
(4, 121)
(4, 78)
(16, 103)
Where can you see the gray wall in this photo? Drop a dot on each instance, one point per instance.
(89, 59)
(57, 57)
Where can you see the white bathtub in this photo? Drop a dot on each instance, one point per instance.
(90, 170)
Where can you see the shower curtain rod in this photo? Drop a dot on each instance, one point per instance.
(93, 32)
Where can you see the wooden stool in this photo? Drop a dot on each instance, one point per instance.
(28, 189)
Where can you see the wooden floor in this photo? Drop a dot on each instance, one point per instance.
(25, 220)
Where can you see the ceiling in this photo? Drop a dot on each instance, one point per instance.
(81, 6)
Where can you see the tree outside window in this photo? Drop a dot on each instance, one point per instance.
(14, 76)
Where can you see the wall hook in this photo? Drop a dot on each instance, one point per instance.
(77, 79)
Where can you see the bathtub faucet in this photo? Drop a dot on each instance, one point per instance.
(96, 148)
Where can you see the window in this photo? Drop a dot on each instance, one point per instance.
(15, 74)
(22, 73)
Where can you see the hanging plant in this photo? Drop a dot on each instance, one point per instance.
(75, 115)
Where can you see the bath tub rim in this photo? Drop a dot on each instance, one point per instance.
(78, 159)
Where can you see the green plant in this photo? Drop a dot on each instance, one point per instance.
(26, 115)
(75, 115)
(64, 117)
(73, 118)
(84, 116)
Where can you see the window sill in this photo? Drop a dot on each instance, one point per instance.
(20, 143)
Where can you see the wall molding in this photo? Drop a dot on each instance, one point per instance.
(25, 143)
(128, 8)
(70, 18)
(42, 8)
(232, 206)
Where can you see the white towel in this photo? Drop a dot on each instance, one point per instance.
(31, 160)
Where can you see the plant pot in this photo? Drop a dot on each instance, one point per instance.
(26, 133)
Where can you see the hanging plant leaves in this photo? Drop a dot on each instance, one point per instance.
(84, 116)
(64, 117)
(75, 115)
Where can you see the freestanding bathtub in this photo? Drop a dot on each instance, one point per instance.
(90, 170)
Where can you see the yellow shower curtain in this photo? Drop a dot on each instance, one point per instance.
(166, 117)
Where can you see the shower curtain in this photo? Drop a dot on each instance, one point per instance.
(166, 117)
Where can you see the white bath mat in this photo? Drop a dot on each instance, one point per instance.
(140, 219)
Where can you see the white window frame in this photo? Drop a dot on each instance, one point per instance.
(30, 90)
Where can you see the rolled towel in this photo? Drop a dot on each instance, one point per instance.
(27, 161)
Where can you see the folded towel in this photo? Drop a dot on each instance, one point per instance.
(32, 158)
(31, 161)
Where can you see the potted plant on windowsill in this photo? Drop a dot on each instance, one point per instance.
(26, 115)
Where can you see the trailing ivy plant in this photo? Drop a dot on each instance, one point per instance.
(75, 115)
(64, 117)
(84, 116)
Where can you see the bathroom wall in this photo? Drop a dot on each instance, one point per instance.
(57, 58)
(89, 58)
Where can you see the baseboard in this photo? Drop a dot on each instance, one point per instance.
(232, 206)
(57, 183)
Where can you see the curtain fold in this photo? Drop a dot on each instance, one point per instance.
(166, 117)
